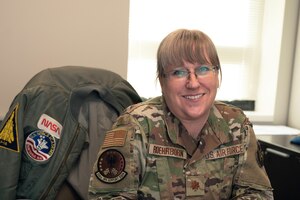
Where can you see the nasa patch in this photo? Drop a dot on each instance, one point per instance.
(50, 125)
(40, 146)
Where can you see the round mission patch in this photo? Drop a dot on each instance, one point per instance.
(40, 145)
(111, 165)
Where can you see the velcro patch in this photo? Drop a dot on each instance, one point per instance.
(50, 125)
(194, 186)
(111, 165)
(226, 151)
(9, 132)
(114, 138)
(160, 150)
(40, 145)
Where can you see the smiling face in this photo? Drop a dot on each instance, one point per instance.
(179, 57)
(190, 98)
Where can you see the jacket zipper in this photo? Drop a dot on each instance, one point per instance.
(44, 195)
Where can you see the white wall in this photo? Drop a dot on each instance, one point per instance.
(36, 34)
(286, 64)
(277, 62)
(294, 110)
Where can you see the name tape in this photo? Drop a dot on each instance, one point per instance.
(160, 150)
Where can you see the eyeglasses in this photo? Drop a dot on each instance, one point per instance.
(200, 71)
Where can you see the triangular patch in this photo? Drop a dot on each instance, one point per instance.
(9, 132)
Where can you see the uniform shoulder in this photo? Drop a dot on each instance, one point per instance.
(141, 114)
(147, 106)
(225, 106)
(230, 112)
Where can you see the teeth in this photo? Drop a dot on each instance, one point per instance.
(194, 97)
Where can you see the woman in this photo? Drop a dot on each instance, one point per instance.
(184, 144)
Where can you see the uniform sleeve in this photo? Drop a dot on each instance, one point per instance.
(118, 166)
(251, 181)
(11, 142)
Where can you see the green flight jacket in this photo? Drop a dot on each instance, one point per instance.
(41, 137)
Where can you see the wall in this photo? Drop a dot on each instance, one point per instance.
(286, 64)
(35, 35)
(277, 57)
(294, 109)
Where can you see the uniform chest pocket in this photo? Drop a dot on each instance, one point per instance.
(171, 177)
(219, 174)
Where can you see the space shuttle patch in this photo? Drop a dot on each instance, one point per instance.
(9, 132)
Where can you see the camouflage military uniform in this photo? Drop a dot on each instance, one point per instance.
(149, 155)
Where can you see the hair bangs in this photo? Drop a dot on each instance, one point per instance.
(185, 46)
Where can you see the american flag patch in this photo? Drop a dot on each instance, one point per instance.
(114, 138)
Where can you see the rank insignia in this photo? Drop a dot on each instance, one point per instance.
(194, 186)
(9, 132)
(111, 165)
(40, 145)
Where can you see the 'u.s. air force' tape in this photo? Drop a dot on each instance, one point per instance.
(226, 151)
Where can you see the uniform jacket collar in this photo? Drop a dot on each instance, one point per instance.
(215, 132)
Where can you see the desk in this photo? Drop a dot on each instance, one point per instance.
(282, 163)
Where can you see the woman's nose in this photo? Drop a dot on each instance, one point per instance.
(192, 80)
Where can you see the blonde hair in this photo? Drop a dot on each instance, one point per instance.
(191, 46)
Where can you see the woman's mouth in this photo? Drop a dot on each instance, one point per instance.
(193, 97)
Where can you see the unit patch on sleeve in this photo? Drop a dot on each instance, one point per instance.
(111, 165)
(9, 132)
(40, 145)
